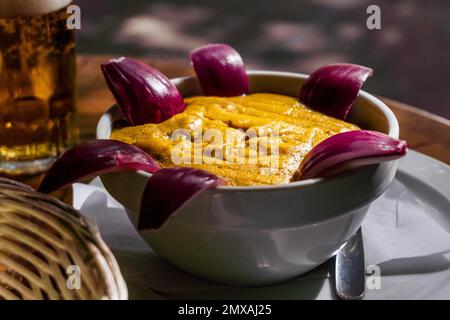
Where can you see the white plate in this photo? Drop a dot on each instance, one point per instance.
(426, 276)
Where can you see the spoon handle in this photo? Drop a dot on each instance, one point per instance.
(350, 269)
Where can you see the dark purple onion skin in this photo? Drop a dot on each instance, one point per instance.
(144, 94)
(349, 150)
(333, 89)
(168, 190)
(220, 70)
(95, 158)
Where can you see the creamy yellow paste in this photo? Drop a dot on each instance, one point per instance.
(281, 123)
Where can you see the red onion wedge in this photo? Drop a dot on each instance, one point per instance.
(94, 158)
(334, 88)
(348, 150)
(220, 70)
(144, 94)
(170, 189)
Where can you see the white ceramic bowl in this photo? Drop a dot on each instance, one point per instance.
(262, 235)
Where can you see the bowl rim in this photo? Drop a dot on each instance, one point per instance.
(393, 129)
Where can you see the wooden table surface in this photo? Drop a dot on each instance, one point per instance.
(425, 132)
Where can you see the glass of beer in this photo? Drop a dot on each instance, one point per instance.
(37, 84)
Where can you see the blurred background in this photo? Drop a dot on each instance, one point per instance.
(410, 54)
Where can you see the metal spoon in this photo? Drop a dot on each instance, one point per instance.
(350, 269)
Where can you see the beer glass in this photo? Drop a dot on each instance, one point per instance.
(37, 84)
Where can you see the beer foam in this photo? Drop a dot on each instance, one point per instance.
(25, 8)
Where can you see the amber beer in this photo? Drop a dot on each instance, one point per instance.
(37, 84)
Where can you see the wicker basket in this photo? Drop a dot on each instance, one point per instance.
(49, 251)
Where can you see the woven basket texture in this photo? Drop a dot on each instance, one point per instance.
(48, 250)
